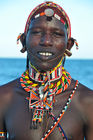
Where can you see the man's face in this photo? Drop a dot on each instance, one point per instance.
(46, 42)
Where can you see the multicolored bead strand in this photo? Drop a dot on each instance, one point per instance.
(59, 126)
(61, 84)
(58, 11)
(62, 113)
(2, 134)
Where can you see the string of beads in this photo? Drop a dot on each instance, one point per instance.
(61, 85)
(57, 120)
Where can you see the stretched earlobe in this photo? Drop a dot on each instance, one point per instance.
(22, 39)
(67, 53)
(70, 44)
(23, 49)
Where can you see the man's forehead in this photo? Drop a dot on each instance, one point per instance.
(41, 22)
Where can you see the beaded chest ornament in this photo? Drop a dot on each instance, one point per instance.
(42, 94)
(42, 104)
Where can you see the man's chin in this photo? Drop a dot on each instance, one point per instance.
(44, 66)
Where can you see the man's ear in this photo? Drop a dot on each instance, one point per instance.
(70, 44)
(22, 39)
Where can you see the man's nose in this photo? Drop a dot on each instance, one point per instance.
(46, 40)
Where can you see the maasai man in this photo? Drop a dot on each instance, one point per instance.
(45, 102)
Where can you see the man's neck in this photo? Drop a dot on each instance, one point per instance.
(39, 76)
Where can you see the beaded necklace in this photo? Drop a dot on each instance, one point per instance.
(57, 120)
(53, 75)
(42, 94)
(41, 104)
(61, 85)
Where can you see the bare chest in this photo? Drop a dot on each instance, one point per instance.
(19, 123)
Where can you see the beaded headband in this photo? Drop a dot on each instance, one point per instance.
(49, 9)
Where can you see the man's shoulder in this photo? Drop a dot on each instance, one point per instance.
(84, 102)
(84, 95)
(7, 91)
(85, 92)
(8, 88)
(82, 92)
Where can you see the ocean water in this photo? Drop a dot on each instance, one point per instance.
(81, 70)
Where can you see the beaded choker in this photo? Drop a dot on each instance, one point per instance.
(53, 74)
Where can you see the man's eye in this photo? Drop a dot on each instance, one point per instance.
(58, 34)
(36, 32)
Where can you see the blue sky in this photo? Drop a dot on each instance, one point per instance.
(13, 16)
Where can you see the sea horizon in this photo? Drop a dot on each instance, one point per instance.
(80, 69)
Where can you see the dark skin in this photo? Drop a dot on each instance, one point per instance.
(52, 40)
(15, 117)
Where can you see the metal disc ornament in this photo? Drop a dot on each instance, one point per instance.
(49, 12)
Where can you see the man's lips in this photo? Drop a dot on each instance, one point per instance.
(45, 55)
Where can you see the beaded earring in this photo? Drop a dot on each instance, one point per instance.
(71, 42)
